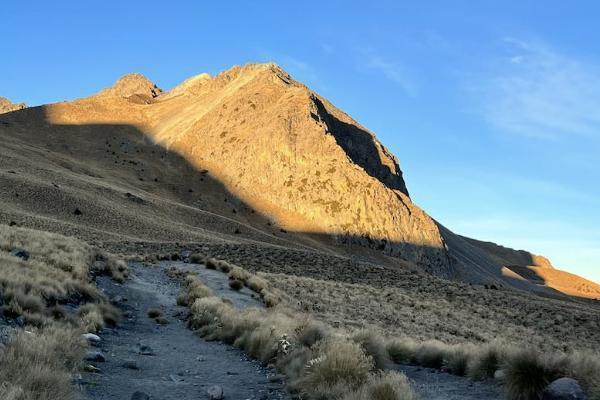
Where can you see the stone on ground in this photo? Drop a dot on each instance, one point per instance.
(564, 389)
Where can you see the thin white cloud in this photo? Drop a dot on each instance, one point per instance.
(300, 69)
(537, 91)
(395, 72)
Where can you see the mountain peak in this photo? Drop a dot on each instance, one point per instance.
(130, 85)
(7, 106)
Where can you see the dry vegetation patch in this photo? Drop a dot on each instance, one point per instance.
(318, 362)
(455, 313)
(46, 285)
(425, 329)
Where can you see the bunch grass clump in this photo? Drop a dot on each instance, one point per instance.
(385, 386)
(38, 365)
(47, 280)
(319, 364)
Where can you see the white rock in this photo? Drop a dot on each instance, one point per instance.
(91, 338)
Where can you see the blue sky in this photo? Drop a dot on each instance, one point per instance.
(493, 108)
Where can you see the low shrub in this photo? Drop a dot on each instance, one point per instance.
(338, 363)
(39, 364)
(236, 284)
(384, 386)
(401, 351)
(309, 332)
(238, 273)
(430, 354)
(256, 284)
(456, 359)
(197, 258)
(485, 362)
(527, 374)
(373, 344)
(183, 300)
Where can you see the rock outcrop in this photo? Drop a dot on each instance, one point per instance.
(8, 106)
(298, 159)
(132, 85)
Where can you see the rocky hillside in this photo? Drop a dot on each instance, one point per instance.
(249, 155)
(7, 106)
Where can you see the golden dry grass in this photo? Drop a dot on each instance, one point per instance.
(318, 363)
(446, 311)
(528, 368)
(37, 364)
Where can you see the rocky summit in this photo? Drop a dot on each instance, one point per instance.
(7, 106)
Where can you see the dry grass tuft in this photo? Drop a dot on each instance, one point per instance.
(485, 362)
(236, 285)
(58, 271)
(338, 363)
(527, 375)
(401, 351)
(385, 386)
(373, 344)
(38, 365)
(197, 258)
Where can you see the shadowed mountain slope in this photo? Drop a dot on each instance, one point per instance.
(249, 155)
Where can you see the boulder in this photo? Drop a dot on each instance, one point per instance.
(564, 389)
(92, 339)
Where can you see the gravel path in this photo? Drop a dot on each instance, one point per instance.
(183, 366)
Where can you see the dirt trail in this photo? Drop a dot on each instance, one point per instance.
(431, 384)
(183, 365)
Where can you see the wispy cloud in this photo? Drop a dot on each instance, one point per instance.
(395, 72)
(538, 91)
(300, 69)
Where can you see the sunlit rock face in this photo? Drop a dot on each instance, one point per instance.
(8, 106)
(282, 149)
(292, 155)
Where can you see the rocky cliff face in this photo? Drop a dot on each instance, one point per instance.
(295, 157)
(8, 106)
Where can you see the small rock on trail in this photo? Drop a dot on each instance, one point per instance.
(564, 389)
